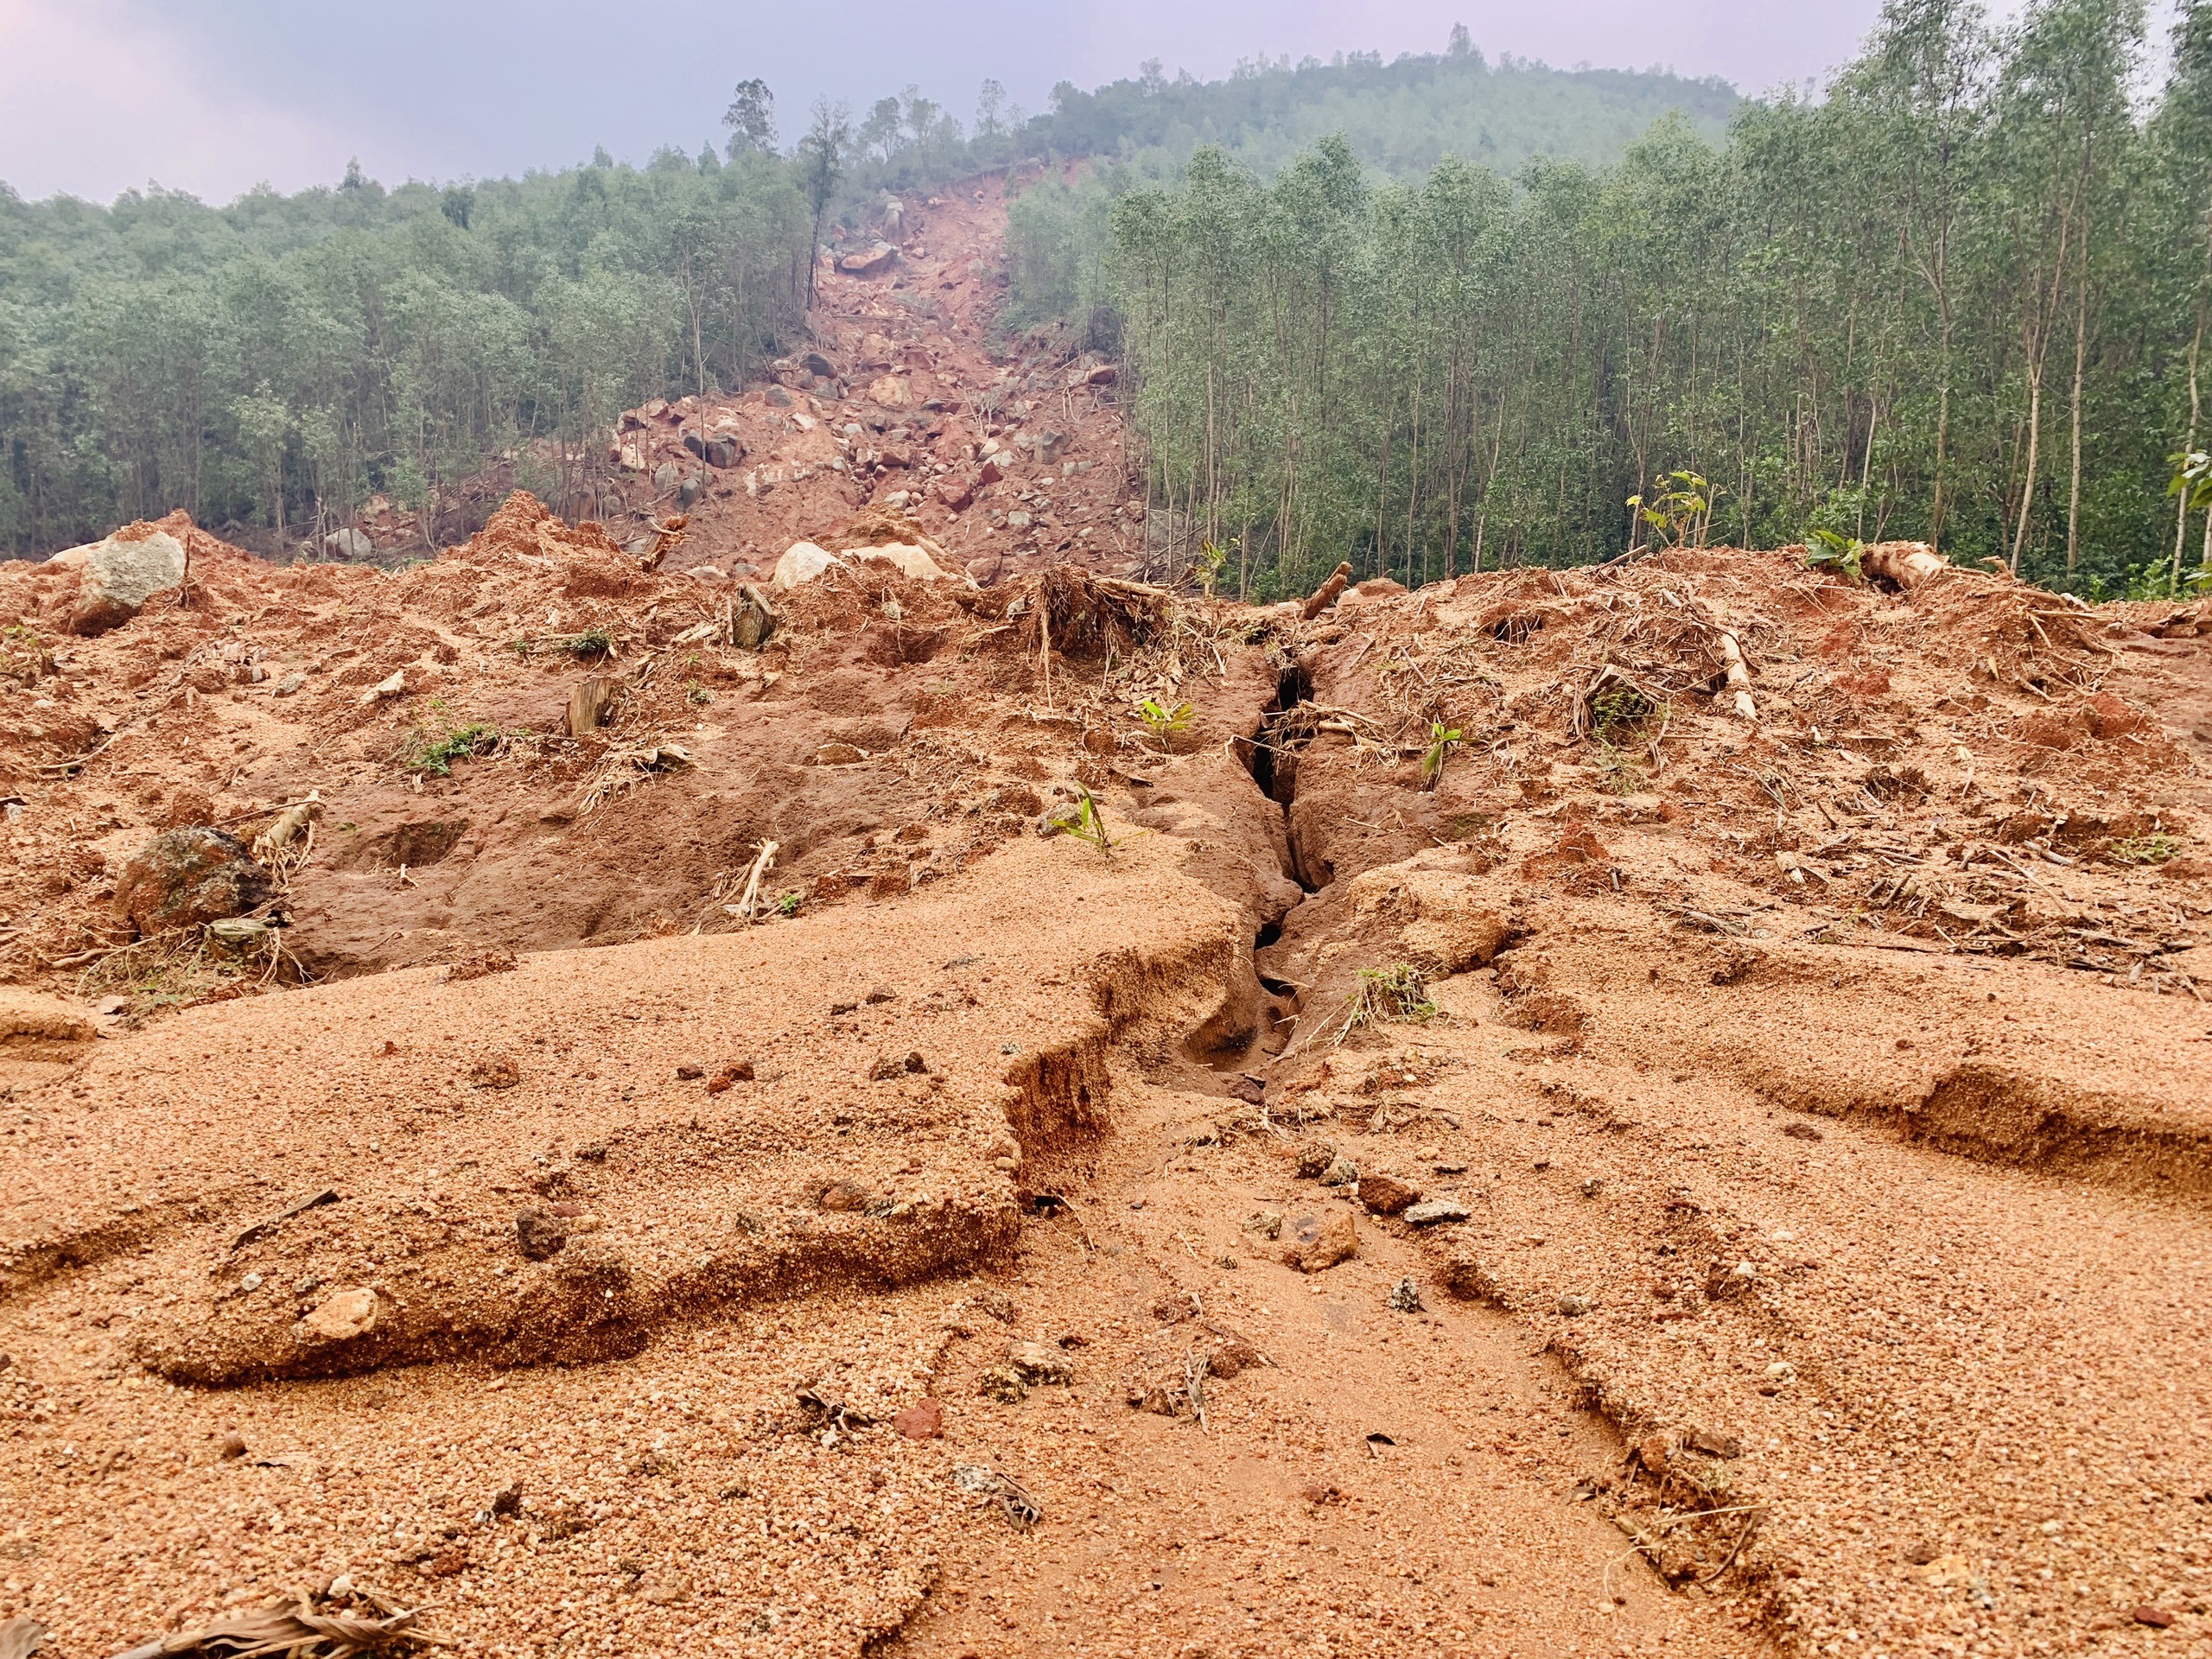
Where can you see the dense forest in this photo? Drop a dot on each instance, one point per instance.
(270, 364)
(277, 360)
(1963, 298)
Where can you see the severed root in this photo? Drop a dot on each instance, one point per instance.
(1326, 595)
(1906, 563)
(748, 906)
(1739, 677)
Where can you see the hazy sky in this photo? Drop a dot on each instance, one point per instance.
(211, 95)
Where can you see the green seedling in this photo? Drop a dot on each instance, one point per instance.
(1836, 552)
(2154, 849)
(788, 904)
(1082, 820)
(1442, 740)
(1164, 723)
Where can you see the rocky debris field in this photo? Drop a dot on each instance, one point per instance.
(911, 396)
(563, 1106)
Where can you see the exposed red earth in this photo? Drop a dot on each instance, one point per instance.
(1461, 1128)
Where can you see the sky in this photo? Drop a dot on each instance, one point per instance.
(214, 96)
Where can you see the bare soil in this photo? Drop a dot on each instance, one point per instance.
(1774, 1151)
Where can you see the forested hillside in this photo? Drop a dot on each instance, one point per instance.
(275, 362)
(280, 358)
(1963, 298)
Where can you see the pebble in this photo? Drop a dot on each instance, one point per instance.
(923, 1421)
(1267, 1223)
(1575, 1307)
(232, 1446)
(540, 1235)
(1432, 1212)
(1405, 1296)
(1342, 1172)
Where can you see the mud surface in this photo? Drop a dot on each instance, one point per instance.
(1462, 1139)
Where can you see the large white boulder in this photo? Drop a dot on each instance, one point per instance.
(121, 576)
(802, 561)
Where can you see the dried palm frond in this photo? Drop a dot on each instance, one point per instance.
(299, 1625)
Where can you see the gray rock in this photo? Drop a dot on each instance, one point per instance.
(121, 576)
(1434, 1211)
(288, 684)
(1575, 1307)
(1342, 1172)
(724, 452)
(1405, 1297)
(691, 490)
(348, 544)
(664, 475)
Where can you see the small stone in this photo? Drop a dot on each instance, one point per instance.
(667, 1592)
(844, 1197)
(923, 1421)
(1252, 1091)
(883, 994)
(1002, 1383)
(1386, 1195)
(232, 1446)
(1405, 1297)
(1574, 1307)
(1319, 1243)
(289, 684)
(1039, 1363)
(1264, 1223)
(508, 1500)
(2157, 1617)
(1432, 1212)
(343, 1315)
(540, 1235)
(1713, 1442)
(251, 1283)
(1313, 1158)
(1342, 1172)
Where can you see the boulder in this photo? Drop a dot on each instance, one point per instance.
(815, 363)
(802, 561)
(877, 260)
(120, 576)
(348, 544)
(955, 492)
(724, 451)
(696, 443)
(888, 392)
(189, 877)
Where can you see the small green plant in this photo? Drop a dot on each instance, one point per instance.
(788, 904)
(591, 643)
(1836, 552)
(2156, 847)
(1679, 510)
(433, 749)
(1442, 740)
(1619, 708)
(1082, 819)
(1617, 772)
(1164, 723)
(1207, 567)
(1397, 993)
(697, 695)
